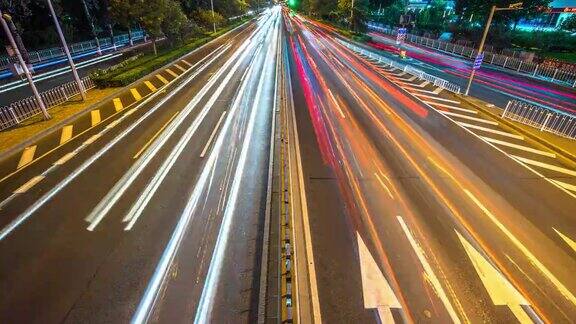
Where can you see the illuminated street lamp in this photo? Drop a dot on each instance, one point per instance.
(514, 6)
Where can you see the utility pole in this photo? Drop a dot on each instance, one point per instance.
(23, 65)
(89, 18)
(352, 15)
(514, 6)
(213, 19)
(70, 61)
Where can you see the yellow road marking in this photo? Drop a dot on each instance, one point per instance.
(95, 116)
(180, 68)
(66, 134)
(135, 94)
(564, 185)
(27, 156)
(65, 158)
(161, 78)
(150, 86)
(560, 286)
(118, 104)
(517, 146)
(186, 62)
(25, 187)
(566, 239)
(171, 73)
(154, 136)
(546, 165)
(384, 185)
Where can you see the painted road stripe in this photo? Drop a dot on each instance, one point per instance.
(150, 86)
(180, 68)
(421, 85)
(474, 112)
(186, 62)
(438, 90)
(212, 134)
(25, 187)
(517, 146)
(384, 185)
(27, 156)
(118, 104)
(564, 185)
(95, 117)
(171, 73)
(162, 79)
(480, 120)
(432, 278)
(438, 98)
(490, 130)
(405, 87)
(546, 165)
(92, 139)
(136, 94)
(154, 136)
(65, 158)
(66, 134)
(566, 239)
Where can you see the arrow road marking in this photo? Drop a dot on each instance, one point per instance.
(501, 291)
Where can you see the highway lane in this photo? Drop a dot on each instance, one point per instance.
(461, 231)
(491, 84)
(58, 266)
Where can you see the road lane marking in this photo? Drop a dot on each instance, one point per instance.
(135, 94)
(491, 130)
(474, 112)
(384, 185)
(518, 146)
(545, 165)
(95, 117)
(500, 290)
(27, 156)
(92, 139)
(337, 104)
(65, 158)
(186, 62)
(438, 90)
(571, 243)
(171, 73)
(439, 98)
(564, 185)
(25, 187)
(155, 136)
(162, 79)
(429, 272)
(416, 89)
(480, 120)
(66, 134)
(150, 86)
(118, 104)
(535, 262)
(212, 134)
(180, 68)
(113, 124)
(376, 290)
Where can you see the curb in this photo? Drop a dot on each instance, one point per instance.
(78, 114)
(570, 157)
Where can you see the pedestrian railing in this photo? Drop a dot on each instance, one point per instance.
(21, 110)
(541, 71)
(439, 82)
(56, 52)
(542, 118)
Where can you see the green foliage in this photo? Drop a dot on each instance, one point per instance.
(569, 23)
(207, 18)
(432, 18)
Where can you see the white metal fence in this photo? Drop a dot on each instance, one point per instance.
(21, 110)
(549, 73)
(51, 53)
(439, 82)
(541, 118)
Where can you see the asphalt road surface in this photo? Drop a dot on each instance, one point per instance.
(431, 222)
(154, 215)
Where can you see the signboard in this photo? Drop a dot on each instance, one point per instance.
(478, 60)
(401, 35)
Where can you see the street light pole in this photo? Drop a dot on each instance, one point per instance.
(70, 61)
(213, 19)
(92, 30)
(352, 15)
(514, 6)
(24, 67)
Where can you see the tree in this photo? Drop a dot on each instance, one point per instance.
(569, 23)
(174, 22)
(357, 13)
(122, 14)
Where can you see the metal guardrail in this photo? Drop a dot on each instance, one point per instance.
(439, 82)
(19, 111)
(552, 74)
(55, 52)
(542, 118)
